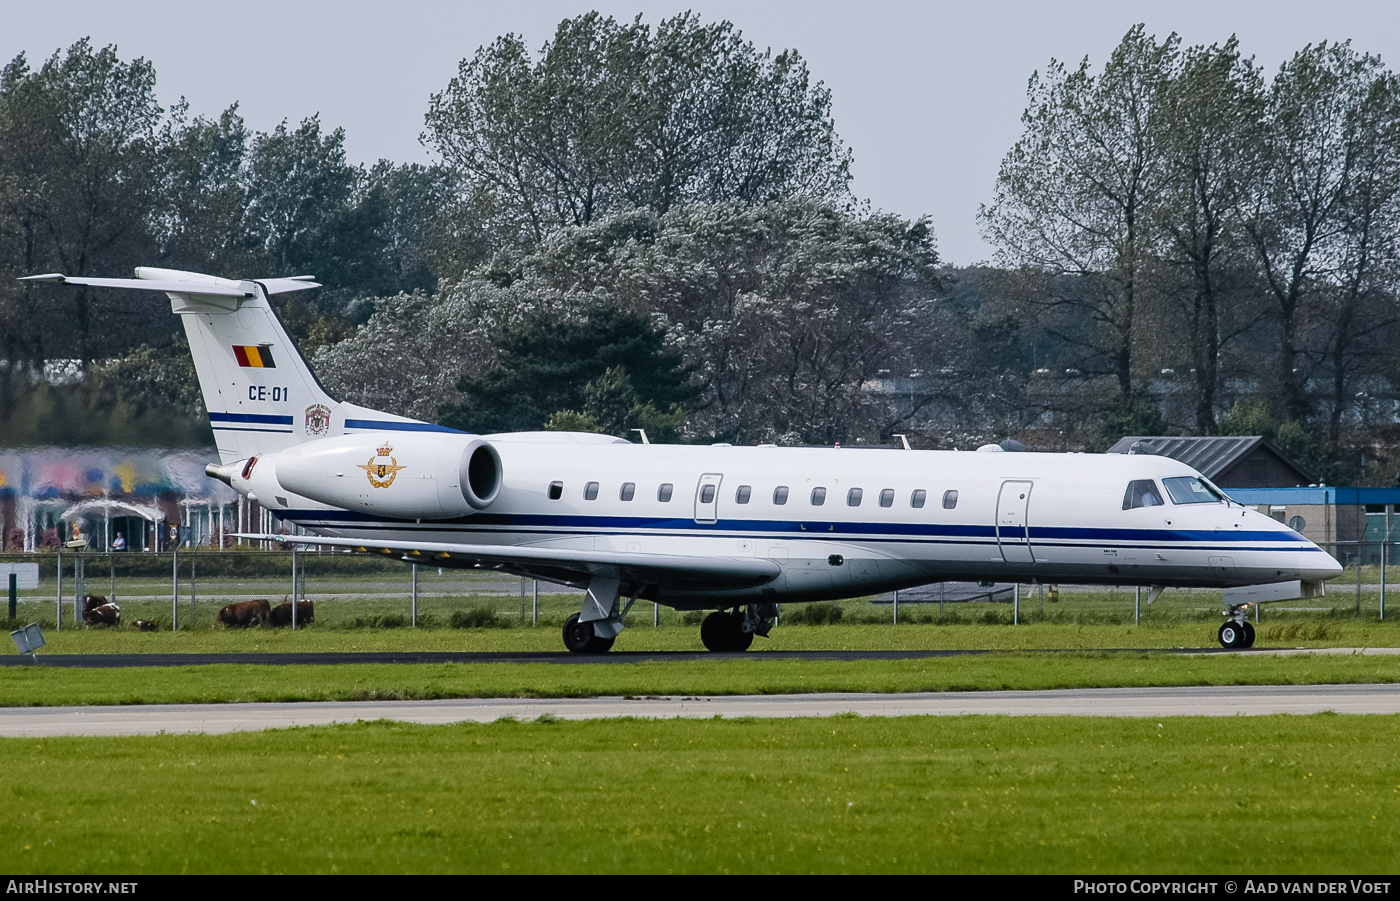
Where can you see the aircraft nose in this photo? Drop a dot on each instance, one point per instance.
(1321, 566)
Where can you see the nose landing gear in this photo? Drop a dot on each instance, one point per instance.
(1236, 632)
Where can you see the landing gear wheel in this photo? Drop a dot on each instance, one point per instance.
(580, 639)
(722, 631)
(1248, 634)
(1232, 635)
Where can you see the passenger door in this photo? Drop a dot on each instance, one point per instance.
(1013, 532)
(707, 498)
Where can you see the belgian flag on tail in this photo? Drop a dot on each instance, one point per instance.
(254, 356)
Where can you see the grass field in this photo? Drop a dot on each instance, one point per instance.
(1249, 795)
(1276, 630)
(752, 674)
(1238, 796)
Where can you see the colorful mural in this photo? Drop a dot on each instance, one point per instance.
(113, 498)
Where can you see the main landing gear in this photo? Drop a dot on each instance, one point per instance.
(594, 630)
(1236, 632)
(582, 638)
(734, 630)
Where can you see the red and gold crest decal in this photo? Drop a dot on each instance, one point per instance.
(318, 420)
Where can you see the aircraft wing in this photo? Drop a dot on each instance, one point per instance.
(570, 567)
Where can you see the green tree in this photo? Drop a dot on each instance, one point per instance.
(1076, 194)
(78, 185)
(1211, 124)
(202, 219)
(614, 115)
(1307, 222)
(609, 366)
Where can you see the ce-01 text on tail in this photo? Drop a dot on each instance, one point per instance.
(736, 530)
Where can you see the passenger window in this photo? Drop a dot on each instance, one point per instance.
(916, 500)
(780, 495)
(950, 500)
(887, 497)
(707, 494)
(853, 497)
(1142, 493)
(556, 490)
(590, 491)
(629, 490)
(818, 496)
(743, 494)
(663, 493)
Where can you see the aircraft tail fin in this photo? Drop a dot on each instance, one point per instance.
(261, 394)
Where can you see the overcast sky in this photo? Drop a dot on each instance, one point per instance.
(927, 94)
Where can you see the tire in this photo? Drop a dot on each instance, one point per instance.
(720, 632)
(579, 638)
(1231, 635)
(577, 635)
(1248, 635)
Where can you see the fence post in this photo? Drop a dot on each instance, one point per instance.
(414, 567)
(1360, 555)
(79, 584)
(294, 587)
(175, 586)
(1382, 614)
(1137, 605)
(896, 606)
(59, 597)
(1016, 604)
(535, 604)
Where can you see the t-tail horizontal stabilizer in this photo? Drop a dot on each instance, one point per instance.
(260, 393)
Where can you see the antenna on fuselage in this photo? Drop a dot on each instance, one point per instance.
(643, 433)
(903, 440)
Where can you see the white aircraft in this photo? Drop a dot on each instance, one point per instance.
(737, 530)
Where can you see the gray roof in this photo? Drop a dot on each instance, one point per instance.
(1209, 456)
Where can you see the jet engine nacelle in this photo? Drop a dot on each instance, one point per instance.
(414, 476)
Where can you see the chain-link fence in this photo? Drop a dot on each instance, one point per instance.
(186, 590)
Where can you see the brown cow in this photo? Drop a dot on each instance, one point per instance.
(282, 613)
(145, 625)
(93, 601)
(103, 615)
(248, 613)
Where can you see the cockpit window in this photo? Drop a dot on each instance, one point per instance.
(1191, 490)
(1142, 493)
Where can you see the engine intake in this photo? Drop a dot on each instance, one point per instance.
(480, 475)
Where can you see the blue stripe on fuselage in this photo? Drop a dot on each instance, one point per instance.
(554, 524)
(388, 425)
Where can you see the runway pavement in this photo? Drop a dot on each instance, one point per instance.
(1124, 702)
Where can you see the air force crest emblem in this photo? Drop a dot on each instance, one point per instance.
(318, 420)
(382, 468)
